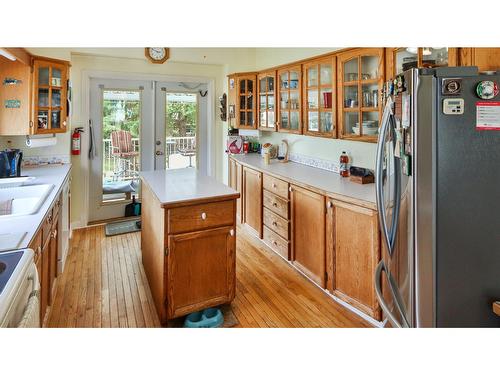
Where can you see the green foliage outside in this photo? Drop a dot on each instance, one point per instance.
(181, 119)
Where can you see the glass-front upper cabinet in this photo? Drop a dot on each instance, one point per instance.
(290, 98)
(403, 58)
(319, 97)
(246, 101)
(266, 105)
(360, 77)
(50, 94)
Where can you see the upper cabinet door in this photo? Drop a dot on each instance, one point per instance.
(360, 77)
(246, 102)
(320, 98)
(50, 94)
(290, 96)
(267, 98)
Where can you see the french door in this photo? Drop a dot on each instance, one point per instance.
(121, 143)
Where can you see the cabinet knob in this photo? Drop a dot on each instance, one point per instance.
(64, 123)
(275, 243)
(275, 223)
(275, 204)
(273, 185)
(231, 232)
(290, 189)
(203, 216)
(329, 204)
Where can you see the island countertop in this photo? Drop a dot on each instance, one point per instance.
(176, 187)
(320, 180)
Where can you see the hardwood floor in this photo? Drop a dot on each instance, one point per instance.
(104, 285)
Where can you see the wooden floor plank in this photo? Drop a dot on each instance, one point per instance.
(104, 285)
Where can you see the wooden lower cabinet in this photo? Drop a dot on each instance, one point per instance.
(45, 281)
(200, 270)
(355, 252)
(252, 199)
(308, 233)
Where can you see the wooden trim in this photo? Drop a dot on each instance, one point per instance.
(20, 54)
(192, 202)
(496, 307)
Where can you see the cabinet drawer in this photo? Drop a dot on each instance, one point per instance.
(276, 223)
(276, 243)
(278, 187)
(201, 216)
(276, 204)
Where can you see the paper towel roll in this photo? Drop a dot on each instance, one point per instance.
(41, 142)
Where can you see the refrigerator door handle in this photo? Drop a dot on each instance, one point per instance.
(380, 297)
(379, 172)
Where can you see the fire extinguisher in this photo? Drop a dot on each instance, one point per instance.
(76, 141)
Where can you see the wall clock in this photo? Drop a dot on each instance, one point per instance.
(157, 55)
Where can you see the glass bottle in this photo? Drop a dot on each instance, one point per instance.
(344, 164)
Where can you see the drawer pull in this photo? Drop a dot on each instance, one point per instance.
(275, 223)
(203, 216)
(275, 204)
(275, 243)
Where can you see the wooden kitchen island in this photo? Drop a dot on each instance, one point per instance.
(188, 241)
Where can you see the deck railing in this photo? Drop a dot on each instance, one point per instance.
(111, 164)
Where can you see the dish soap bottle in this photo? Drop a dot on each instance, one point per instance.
(344, 164)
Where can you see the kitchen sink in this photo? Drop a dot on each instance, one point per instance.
(23, 200)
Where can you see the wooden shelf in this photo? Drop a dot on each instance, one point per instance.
(349, 109)
(370, 109)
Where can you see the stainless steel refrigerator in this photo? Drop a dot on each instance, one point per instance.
(438, 196)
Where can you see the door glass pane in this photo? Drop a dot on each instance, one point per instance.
(325, 74)
(270, 119)
(326, 124)
(370, 123)
(56, 98)
(284, 80)
(262, 118)
(270, 84)
(181, 129)
(43, 76)
(262, 102)
(43, 120)
(312, 124)
(312, 99)
(326, 98)
(312, 76)
(250, 101)
(56, 79)
(250, 118)
(370, 95)
(243, 118)
(43, 97)
(351, 70)
(121, 122)
(294, 100)
(284, 100)
(294, 80)
(351, 123)
(263, 85)
(249, 85)
(406, 59)
(294, 120)
(434, 56)
(270, 102)
(369, 67)
(350, 96)
(243, 102)
(285, 120)
(242, 86)
(55, 122)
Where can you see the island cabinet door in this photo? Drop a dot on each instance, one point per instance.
(356, 255)
(252, 199)
(308, 233)
(201, 270)
(235, 181)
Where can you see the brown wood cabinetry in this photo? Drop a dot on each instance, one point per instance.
(34, 100)
(308, 233)
(360, 79)
(242, 100)
(320, 85)
(266, 104)
(354, 246)
(252, 200)
(290, 99)
(236, 182)
(189, 253)
(486, 59)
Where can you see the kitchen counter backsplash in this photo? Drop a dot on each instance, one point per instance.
(315, 162)
(33, 160)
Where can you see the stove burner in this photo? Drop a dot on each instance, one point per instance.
(8, 263)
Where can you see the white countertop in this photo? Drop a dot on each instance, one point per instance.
(177, 186)
(53, 174)
(329, 183)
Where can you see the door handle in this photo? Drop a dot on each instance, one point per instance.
(159, 153)
(380, 297)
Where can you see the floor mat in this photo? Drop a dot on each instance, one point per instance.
(112, 229)
(230, 320)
